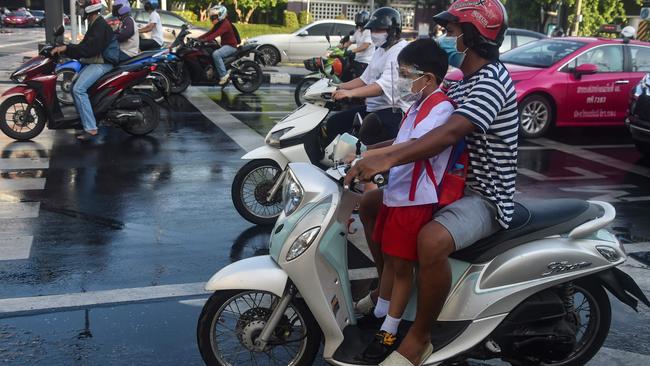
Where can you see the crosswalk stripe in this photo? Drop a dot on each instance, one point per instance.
(19, 210)
(24, 163)
(15, 247)
(22, 184)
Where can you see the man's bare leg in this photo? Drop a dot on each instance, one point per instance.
(435, 244)
(368, 210)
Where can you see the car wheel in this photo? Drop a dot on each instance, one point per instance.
(535, 116)
(271, 55)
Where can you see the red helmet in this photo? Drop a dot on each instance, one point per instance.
(489, 17)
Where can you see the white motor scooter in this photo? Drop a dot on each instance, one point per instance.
(533, 294)
(299, 137)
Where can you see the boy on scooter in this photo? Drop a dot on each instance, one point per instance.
(411, 195)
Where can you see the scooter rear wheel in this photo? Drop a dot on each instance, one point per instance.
(250, 77)
(14, 121)
(151, 112)
(184, 83)
(231, 321)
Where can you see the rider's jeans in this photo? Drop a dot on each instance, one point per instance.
(87, 77)
(218, 57)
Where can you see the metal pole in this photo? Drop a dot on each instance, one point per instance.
(576, 25)
(54, 18)
(372, 5)
(73, 20)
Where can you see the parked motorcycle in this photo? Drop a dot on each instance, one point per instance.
(34, 103)
(299, 137)
(335, 65)
(533, 294)
(195, 65)
(67, 71)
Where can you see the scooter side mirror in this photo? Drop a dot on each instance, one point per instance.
(327, 37)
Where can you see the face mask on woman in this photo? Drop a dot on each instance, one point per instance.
(449, 44)
(378, 39)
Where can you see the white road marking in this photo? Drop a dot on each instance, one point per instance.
(595, 157)
(22, 184)
(243, 135)
(15, 248)
(605, 357)
(24, 163)
(19, 210)
(17, 43)
(621, 146)
(582, 174)
(40, 304)
(363, 273)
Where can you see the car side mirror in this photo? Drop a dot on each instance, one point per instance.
(303, 33)
(585, 69)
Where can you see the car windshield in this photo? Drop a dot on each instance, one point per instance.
(18, 14)
(543, 53)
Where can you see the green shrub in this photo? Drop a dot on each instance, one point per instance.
(304, 18)
(189, 15)
(291, 20)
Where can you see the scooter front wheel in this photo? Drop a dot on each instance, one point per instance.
(19, 123)
(231, 322)
(301, 88)
(249, 192)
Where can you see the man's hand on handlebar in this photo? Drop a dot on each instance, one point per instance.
(342, 94)
(59, 49)
(367, 168)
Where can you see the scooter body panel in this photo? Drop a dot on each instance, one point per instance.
(267, 152)
(73, 65)
(255, 273)
(304, 119)
(21, 89)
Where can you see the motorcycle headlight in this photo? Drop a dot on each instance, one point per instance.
(292, 194)
(302, 243)
(273, 139)
(17, 78)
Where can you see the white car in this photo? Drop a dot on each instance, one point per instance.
(308, 41)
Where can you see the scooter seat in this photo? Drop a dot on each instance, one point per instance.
(141, 56)
(532, 220)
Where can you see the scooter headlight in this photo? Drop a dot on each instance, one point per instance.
(19, 78)
(292, 194)
(273, 139)
(302, 243)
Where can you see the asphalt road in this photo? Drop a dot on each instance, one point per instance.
(104, 247)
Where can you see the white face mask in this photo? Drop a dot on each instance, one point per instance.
(378, 39)
(405, 89)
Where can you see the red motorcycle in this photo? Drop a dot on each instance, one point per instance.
(33, 103)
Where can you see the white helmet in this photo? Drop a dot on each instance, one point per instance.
(628, 32)
(218, 12)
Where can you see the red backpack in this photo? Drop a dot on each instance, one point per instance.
(452, 184)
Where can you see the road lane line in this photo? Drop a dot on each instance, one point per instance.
(19, 210)
(41, 304)
(24, 163)
(17, 43)
(22, 184)
(595, 157)
(238, 131)
(15, 247)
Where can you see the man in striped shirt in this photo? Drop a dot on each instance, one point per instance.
(486, 116)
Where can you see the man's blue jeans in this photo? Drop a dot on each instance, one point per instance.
(87, 77)
(218, 57)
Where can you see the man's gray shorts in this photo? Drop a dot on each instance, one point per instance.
(469, 219)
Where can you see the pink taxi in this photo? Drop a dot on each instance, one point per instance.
(573, 81)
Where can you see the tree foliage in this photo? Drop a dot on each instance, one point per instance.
(243, 9)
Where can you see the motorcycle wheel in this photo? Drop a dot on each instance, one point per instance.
(151, 112)
(184, 83)
(64, 81)
(249, 188)
(165, 86)
(594, 312)
(12, 118)
(301, 88)
(231, 321)
(253, 71)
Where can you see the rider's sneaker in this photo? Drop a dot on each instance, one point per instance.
(380, 347)
(224, 79)
(364, 306)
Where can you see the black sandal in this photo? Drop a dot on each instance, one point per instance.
(85, 136)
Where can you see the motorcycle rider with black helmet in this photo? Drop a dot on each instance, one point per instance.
(362, 38)
(375, 84)
(154, 27)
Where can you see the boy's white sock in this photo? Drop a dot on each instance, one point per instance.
(381, 309)
(390, 324)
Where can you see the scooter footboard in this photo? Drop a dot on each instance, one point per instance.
(256, 273)
(21, 89)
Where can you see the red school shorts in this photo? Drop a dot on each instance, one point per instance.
(397, 228)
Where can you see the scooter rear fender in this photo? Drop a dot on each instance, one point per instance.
(256, 273)
(22, 89)
(267, 152)
(621, 285)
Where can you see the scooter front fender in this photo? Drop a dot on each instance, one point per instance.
(22, 89)
(267, 152)
(256, 273)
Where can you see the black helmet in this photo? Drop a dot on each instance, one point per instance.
(150, 5)
(389, 19)
(361, 18)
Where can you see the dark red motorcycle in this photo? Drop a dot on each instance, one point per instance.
(33, 103)
(196, 67)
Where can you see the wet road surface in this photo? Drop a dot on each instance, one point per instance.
(106, 245)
